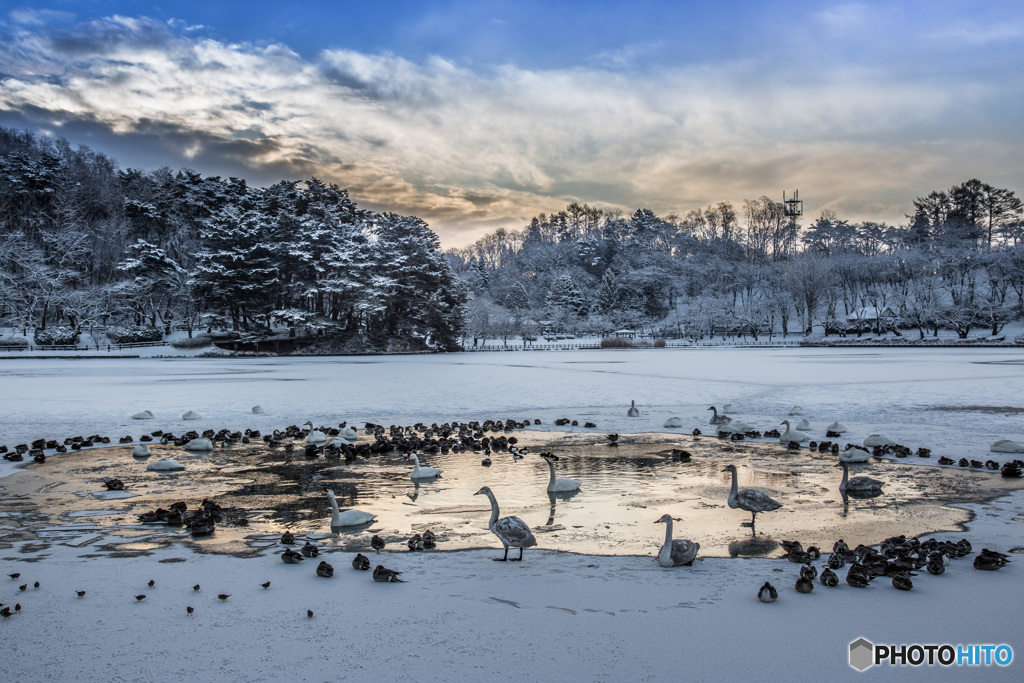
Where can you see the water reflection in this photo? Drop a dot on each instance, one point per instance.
(624, 490)
(553, 498)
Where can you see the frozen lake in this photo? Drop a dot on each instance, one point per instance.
(953, 401)
(579, 616)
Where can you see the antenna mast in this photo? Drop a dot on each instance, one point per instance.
(794, 207)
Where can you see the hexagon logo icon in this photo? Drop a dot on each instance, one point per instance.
(861, 654)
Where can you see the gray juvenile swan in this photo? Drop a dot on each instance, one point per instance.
(633, 410)
(511, 531)
(857, 483)
(751, 500)
(678, 552)
(717, 419)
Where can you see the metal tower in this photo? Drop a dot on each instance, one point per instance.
(792, 207)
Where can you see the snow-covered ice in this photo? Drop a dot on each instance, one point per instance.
(461, 616)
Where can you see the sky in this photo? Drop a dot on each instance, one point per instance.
(481, 115)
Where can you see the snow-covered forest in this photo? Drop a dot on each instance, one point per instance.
(958, 264)
(85, 245)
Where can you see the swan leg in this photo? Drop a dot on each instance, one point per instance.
(751, 522)
(502, 559)
(517, 559)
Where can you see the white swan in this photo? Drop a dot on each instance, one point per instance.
(796, 410)
(717, 419)
(348, 517)
(348, 434)
(854, 454)
(199, 445)
(751, 500)
(144, 415)
(559, 485)
(422, 472)
(141, 451)
(191, 415)
(164, 466)
(734, 427)
(1007, 446)
(673, 422)
(633, 410)
(857, 483)
(314, 435)
(878, 440)
(837, 428)
(727, 408)
(511, 531)
(793, 435)
(678, 552)
(803, 425)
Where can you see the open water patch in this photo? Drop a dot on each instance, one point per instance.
(624, 489)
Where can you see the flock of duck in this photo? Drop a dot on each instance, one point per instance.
(898, 558)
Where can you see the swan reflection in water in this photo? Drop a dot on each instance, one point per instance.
(857, 495)
(416, 486)
(553, 498)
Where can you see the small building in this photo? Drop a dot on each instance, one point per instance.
(870, 314)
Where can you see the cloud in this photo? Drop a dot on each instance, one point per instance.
(977, 34)
(843, 17)
(36, 17)
(472, 149)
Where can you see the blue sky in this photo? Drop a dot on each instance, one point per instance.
(478, 115)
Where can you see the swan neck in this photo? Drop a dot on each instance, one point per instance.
(494, 508)
(668, 533)
(415, 461)
(334, 502)
(733, 490)
(846, 476)
(551, 466)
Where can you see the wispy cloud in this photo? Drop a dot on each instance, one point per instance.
(845, 16)
(974, 33)
(471, 149)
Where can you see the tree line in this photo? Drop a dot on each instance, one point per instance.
(84, 244)
(957, 264)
